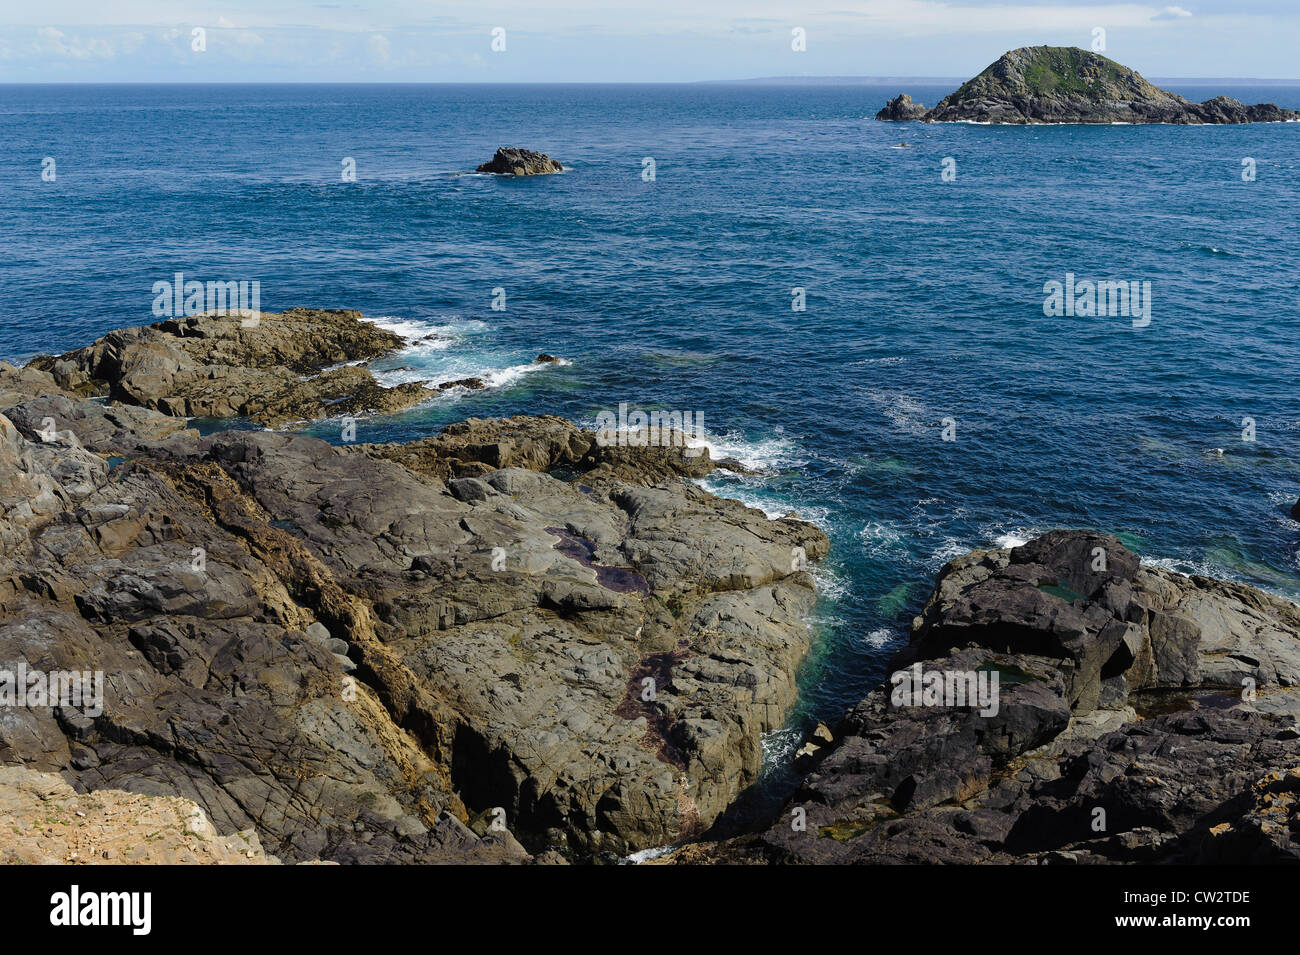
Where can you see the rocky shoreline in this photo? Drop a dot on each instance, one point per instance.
(1143, 717)
(433, 652)
(507, 643)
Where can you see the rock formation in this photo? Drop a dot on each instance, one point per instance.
(508, 643)
(299, 365)
(901, 109)
(1053, 84)
(501, 643)
(510, 161)
(1143, 717)
(44, 821)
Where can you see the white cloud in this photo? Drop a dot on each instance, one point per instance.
(379, 48)
(54, 43)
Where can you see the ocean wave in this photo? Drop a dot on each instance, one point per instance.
(417, 330)
(1280, 498)
(830, 584)
(987, 538)
(775, 452)
(1181, 565)
(881, 539)
(492, 378)
(950, 549)
(502, 377)
(743, 489)
(737, 493)
(439, 352)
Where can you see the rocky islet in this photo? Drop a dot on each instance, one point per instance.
(1048, 84)
(513, 161)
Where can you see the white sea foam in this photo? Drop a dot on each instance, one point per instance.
(881, 638)
(903, 412)
(1187, 568)
(988, 537)
(829, 583)
(881, 539)
(779, 746)
(438, 352)
(737, 492)
(767, 455)
(414, 329)
(949, 549)
(645, 855)
(772, 453)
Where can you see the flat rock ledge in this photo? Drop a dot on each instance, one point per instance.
(1144, 717)
(503, 643)
(44, 821)
(298, 365)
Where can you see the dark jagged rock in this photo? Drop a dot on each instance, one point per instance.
(1053, 84)
(469, 384)
(1143, 717)
(510, 161)
(901, 109)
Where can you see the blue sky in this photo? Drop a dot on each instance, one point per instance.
(619, 41)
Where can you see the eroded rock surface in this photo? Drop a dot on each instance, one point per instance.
(297, 365)
(1143, 717)
(511, 161)
(44, 821)
(495, 642)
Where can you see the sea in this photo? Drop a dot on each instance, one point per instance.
(859, 311)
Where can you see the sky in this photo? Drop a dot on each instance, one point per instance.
(482, 41)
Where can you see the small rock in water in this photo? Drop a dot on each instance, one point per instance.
(472, 384)
(511, 161)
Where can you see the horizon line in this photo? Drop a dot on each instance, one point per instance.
(793, 80)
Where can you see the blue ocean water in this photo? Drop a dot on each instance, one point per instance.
(924, 297)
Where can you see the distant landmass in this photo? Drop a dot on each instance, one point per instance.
(836, 81)
(1059, 84)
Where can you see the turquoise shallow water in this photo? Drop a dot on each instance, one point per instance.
(924, 297)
